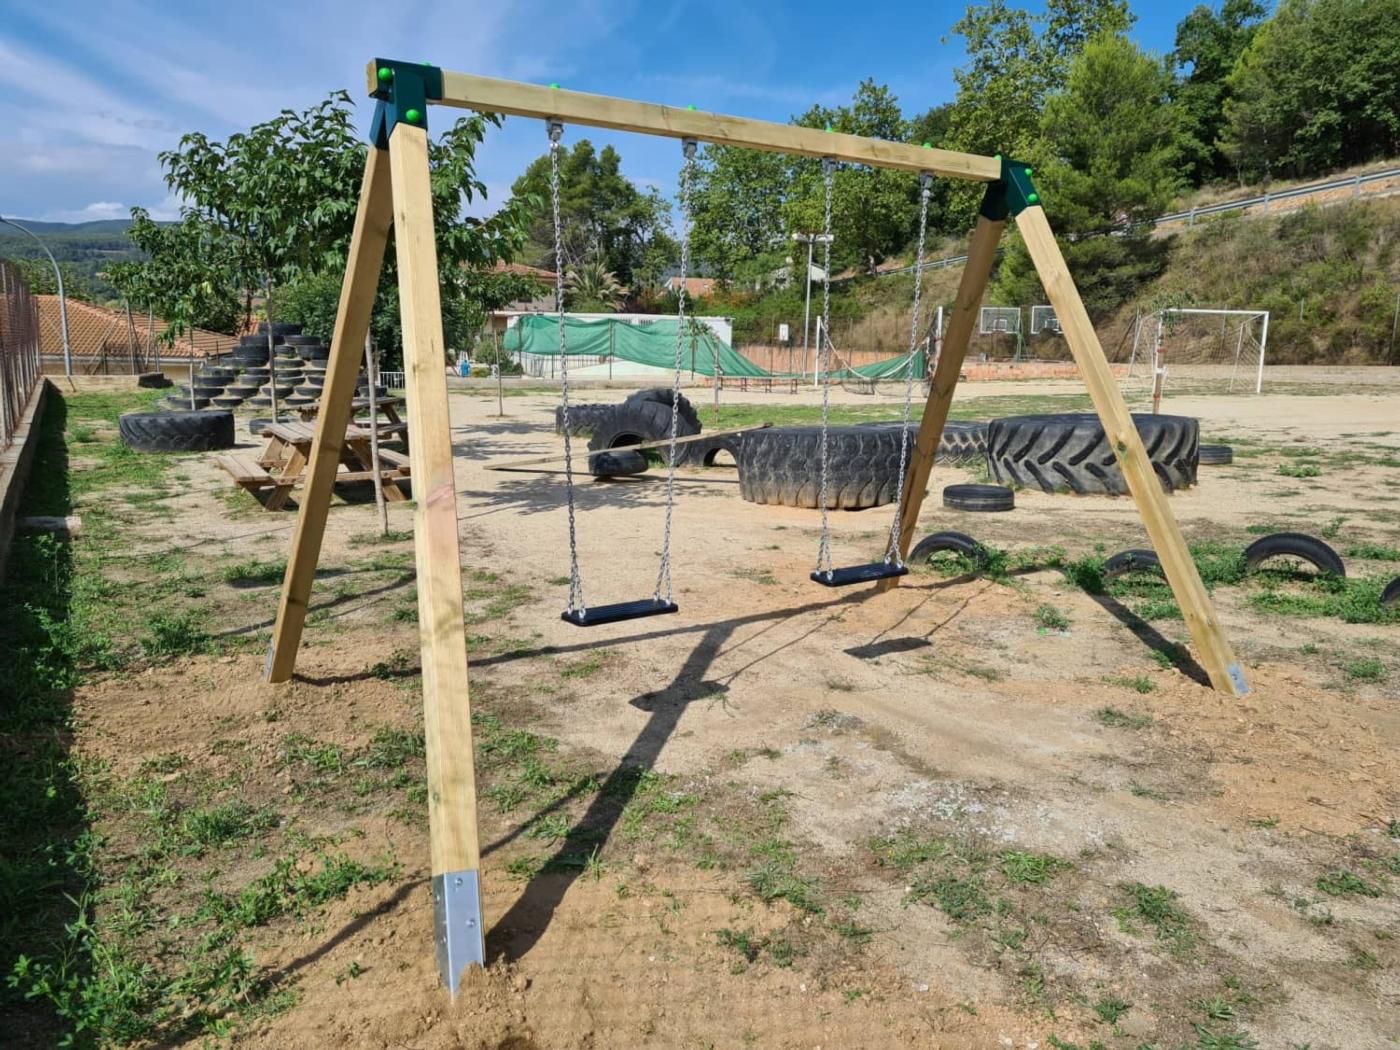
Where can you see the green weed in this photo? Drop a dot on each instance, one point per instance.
(1116, 719)
(1344, 883)
(1155, 907)
(1051, 618)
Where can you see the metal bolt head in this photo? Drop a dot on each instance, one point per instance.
(412, 116)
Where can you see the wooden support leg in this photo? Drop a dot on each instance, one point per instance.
(980, 255)
(357, 292)
(1217, 657)
(447, 723)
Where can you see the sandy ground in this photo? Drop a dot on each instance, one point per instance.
(939, 707)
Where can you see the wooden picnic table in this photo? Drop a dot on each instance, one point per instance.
(283, 462)
(388, 407)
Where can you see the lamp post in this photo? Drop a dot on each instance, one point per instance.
(62, 300)
(809, 239)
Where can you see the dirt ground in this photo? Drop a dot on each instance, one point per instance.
(793, 817)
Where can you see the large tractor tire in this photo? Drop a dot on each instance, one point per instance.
(783, 465)
(962, 441)
(582, 417)
(662, 396)
(635, 422)
(176, 431)
(1068, 452)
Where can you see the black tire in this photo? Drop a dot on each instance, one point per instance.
(153, 381)
(979, 498)
(962, 441)
(253, 341)
(230, 401)
(295, 339)
(957, 542)
(176, 431)
(632, 423)
(316, 352)
(1299, 545)
(181, 403)
(616, 464)
(279, 328)
(662, 396)
(1068, 452)
(1139, 559)
(782, 465)
(706, 453)
(1391, 594)
(1216, 455)
(582, 418)
(258, 424)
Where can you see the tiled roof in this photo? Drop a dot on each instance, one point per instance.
(695, 287)
(96, 333)
(520, 269)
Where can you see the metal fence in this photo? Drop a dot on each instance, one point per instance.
(19, 349)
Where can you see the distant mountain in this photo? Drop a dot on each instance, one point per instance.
(90, 247)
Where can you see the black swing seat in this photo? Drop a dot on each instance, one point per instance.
(600, 614)
(879, 570)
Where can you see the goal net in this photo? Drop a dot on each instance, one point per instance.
(1201, 350)
(999, 320)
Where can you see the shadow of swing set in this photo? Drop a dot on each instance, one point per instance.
(396, 192)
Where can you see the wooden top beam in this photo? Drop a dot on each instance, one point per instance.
(492, 95)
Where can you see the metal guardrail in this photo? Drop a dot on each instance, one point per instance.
(19, 349)
(1352, 182)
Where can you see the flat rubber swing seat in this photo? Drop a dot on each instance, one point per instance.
(600, 614)
(880, 570)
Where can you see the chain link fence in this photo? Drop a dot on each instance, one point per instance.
(19, 349)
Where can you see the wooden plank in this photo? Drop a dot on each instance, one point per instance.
(447, 727)
(357, 291)
(1212, 646)
(492, 95)
(962, 322)
(554, 457)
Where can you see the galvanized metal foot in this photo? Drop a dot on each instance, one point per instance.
(457, 927)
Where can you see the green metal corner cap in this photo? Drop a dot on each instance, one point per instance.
(404, 90)
(1011, 194)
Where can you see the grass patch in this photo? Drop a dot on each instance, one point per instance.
(1051, 618)
(1299, 470)
(1344, 883)
(1156, 908)
(1365, 669)
(1117, 719)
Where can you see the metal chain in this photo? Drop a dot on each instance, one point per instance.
(824, 355)
(556, 132)
(892, 553)
(663, 575)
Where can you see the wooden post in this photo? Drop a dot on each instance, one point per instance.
(981, 253)
(365, 261)
(452, 826)
(1217, 657)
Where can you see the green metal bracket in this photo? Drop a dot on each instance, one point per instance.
(1011, 194)
(404, 90)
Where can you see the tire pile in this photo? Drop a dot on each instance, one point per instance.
(644, 416)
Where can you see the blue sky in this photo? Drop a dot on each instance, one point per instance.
(91, 91)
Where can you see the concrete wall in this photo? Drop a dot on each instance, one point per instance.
(15, 463)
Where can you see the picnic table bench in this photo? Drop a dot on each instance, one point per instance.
(281, 466)
(388, 407)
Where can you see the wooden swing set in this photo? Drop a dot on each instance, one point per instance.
(396, 193)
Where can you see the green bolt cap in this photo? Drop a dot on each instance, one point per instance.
(996, 156)
(554, 85)
(385, 74)
(1032, 197)
(1030, 171)
(689, 107)
(828, 127)
(412, 116)
(928, 145)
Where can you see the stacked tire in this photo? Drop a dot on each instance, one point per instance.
(1069, 452)
(782, 465)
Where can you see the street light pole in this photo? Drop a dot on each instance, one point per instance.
(809, 239)
(62, 299)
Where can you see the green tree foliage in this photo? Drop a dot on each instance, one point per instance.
(873, 209)
(1208, 45)
(40, 279)
(738, 207)
(592, 288)
(1317, 88)
(605, 218)
(1117, 163)
(275, 206)
(184, 278)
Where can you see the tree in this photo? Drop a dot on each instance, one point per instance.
(1208, 46)
(276, 205)
(1117, 141)
(184, 278)
(40, 280)
(738, 204)
(1317, 88)
(872, 208)
(591, 288)
(605, 218)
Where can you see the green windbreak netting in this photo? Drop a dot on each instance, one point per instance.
(654, 344)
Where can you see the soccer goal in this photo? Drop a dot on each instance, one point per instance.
(1205, 349)
(1044, 321)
